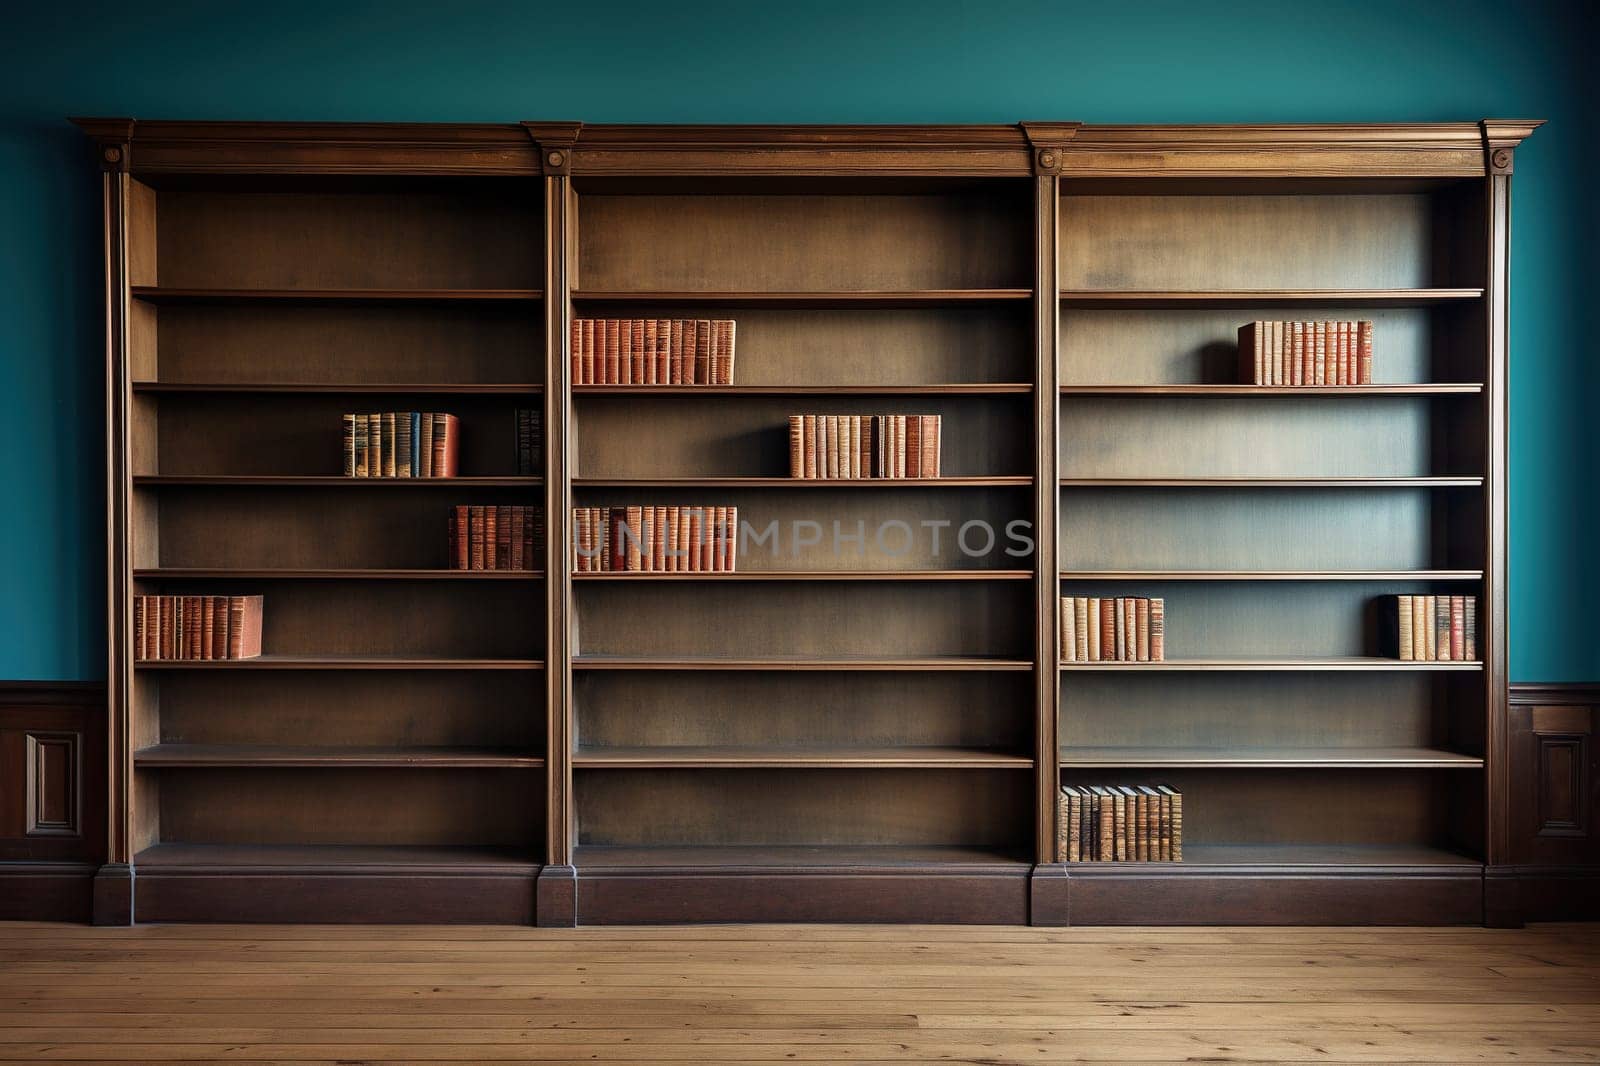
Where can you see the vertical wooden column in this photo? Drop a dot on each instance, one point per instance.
(1499, 908)
(1048, 895)
(113, 886)
(557, 887)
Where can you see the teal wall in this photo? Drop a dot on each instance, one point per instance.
(750, 61)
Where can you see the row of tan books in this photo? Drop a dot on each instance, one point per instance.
(1120, 823)
(401, 444)
(502, 537)
(864, 446)
(652, 351)
(1112, 629)
(655, 539)
(1306, 353)
(1432, 628)
(197, 627)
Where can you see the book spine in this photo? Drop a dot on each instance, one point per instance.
(1441, 628)
(1109, 649)
(1080, 619)
(1364, 352)
(1069, 635)
(1158, 629)
(1458, 628)
(1093, 612)
(1470, 628)
(1142, 608)
(1403, 630)
(797, 446)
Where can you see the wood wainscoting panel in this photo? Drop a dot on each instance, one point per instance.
(52, 805)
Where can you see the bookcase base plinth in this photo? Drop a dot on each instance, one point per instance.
(957, 893)
(385, 886)
(1120, 894)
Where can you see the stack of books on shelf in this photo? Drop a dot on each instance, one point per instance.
(652, 351)
(864, 446)
(1306, 353)
(1432, 628)
(529, 438)
(503, 537)
(197, 627)
(1121, 823)
(400, 444)
(655, 539)
(1120, 629)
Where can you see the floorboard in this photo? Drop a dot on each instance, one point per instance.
(766, 994)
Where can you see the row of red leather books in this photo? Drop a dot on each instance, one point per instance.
(496, 537)
(655, 539)
(1127, 629)
(864, 446)
(197, 627)
(1432, 628)
(1120, 823)
(1305, 353)
(652, 351)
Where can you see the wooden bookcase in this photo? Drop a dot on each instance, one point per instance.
(861, 724)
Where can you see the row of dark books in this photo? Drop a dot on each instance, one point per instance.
(1120, 823)
(503, 537)
(864, 446)
(1432, 628)
(530, 441)
(1306, 353)
(197, 627)
(401, 444)
(655, 539)
(1101, 629)
(652, 351)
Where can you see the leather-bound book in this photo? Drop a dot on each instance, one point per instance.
(1158, 629)
(244, 626)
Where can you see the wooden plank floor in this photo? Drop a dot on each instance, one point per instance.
(728, 994)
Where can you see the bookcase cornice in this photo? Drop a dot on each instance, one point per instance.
(1408, 150)
(330, 147)
(1330, 150)
(960, 151)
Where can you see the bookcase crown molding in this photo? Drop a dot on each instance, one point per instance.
(1073, 149)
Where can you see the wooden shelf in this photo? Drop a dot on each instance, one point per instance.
(737, 758)
(375, 858)
(1275, 482)
(1008, 481)
(863, 298)
(1209, 857)
(811, 575)
(208, 755)
(1441, 389)
(963, 389)
(1336, 663)
(1157, 299)
(178, 573)
(163, 295)
(794, 856)
(1272, 575)
(779, 663)
(337, 388)
(1268, 758)
(338, 662)
(332, 481)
